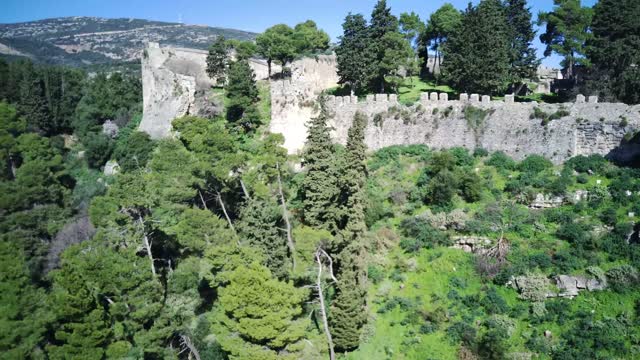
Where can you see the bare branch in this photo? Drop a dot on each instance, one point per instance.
(285, 215)
(188, 345)
(323, 312)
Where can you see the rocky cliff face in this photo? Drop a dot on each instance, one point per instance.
(175, 84)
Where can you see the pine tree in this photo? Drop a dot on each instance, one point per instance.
(243, 93)
(320, 189)
(353, 52)
(614, 50)
(218, 60)
(442, 23)
(566, 33)
(477, 55)
(523, 61)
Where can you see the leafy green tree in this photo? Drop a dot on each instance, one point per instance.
(258, 317)
(242, 91)
(411, 26)
(613, 50)
(277, 43)
(566, 32)
(308, 38)
(244, 49)
(397, 54)
(441, 25)
(468, 65)
(98, 149)
(260, 227)
(218, 60)
(353, 52)
(320, 189)
(523, 60)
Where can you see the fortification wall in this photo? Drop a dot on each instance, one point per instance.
(586, 127)
(175, 84)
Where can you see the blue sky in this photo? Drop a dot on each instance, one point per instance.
(251, 15)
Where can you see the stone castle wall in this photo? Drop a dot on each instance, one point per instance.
(588, 128)
(175, 84)
(438, 122)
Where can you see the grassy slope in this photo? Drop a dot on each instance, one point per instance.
(396, 334)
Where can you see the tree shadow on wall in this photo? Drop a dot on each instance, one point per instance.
(628, 152)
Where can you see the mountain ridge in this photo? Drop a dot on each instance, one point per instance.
(87, 40)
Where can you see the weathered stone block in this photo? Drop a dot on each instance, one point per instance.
(393, 98)
(354, 99)
(474, 98)
(580, 99)
(331, 99)
(444, 97)
(371, 99)
(424, 97)
(339, 100)
(381, 97)
(433, 96)
(509, 99)
(593, 99)
(486, 99)
(464, 97)
(346, 100)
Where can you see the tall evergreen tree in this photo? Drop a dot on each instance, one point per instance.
(33, 103)
(353, 52)
(477, 56)
(218, 60)
(523, 60)
(382, 23)
(566, 33)
(348, 313)
(320, 188)
(260, 227)
(242, 91)
(614, 50)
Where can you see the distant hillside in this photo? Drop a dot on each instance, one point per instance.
(83, 41)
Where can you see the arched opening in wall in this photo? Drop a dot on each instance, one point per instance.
(628, 152)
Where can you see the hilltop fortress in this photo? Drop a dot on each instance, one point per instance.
(174, 80)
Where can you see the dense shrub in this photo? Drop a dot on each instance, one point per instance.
(583, 164)
(420, 234)
(98, 149)
(134, 152)
(501, 161)
(462, 156)
(623, 278)
(534, 164)
(480, 152)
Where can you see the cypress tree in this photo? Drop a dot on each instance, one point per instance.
(614, 50)
(320, 188)
(218, 60)
(523, 60)
(382, 23)
(33, 103)
(477, 56)
(243, 93)
(348, 313)
(353, 52)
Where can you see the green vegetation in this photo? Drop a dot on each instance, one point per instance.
(211, 245)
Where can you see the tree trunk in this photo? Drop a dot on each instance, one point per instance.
(323, 312)
(244, 190)
(147, 245)
(285, 215)
(269, 67)
(224, 210)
